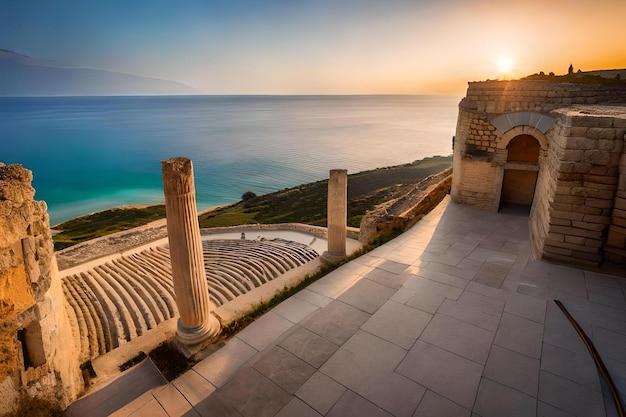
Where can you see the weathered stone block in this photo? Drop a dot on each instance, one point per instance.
(620, 204)
(601, 133)
(574, 231)
(560, 222)
(588, 258)
(577, 240)
(611, 145)
(592, 193)
(599, 203)
(566, 215)
(555, 238)
(566, 167)
(597, 156)
(590, 218)
(580, 143)
(572, 184)
(614, 159)
(586, 209)
(598, 170)
(562, 206)
(574, 179)
(572, 155)
(582, 167)
(569, 199)
(619, 123)
(600, 182)
(557, 250)
(589, 226)
(563, 190)
(619, 221)
(594, 243)
(616, 237)
(586, 121)
(580, 248)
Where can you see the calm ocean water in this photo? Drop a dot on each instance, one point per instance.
(92, 153)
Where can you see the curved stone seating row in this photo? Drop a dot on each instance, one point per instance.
(119, 300)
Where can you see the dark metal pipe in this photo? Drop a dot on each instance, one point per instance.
(597, 359)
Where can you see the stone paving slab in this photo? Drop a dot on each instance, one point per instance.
(452, 318)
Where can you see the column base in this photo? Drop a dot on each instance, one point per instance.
(197, 335)
(329, 257)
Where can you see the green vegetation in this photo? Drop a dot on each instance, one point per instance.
(103, 223)
(307, 203)
(166, 358)
(170, 361)
(133, 361)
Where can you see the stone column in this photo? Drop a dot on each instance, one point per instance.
(196, 323)
(337, 215)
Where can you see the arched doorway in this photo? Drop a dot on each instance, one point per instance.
(520, 171)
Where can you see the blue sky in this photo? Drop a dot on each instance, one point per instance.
(320, 47)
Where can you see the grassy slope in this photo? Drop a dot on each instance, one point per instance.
(104, 222)
(303, 204)
(307, 203)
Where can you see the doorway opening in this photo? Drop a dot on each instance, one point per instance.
(520, 174)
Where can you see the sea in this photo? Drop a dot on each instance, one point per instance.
(92, 153)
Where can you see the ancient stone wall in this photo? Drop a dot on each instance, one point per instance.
(486, 99)
(577, 212)
(37, 351)
(577, 192)
(404, 212)
(615, 249)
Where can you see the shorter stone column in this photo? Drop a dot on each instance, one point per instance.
(337, 215)
(196, 323)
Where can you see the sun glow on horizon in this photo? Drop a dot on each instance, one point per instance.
(505, 65)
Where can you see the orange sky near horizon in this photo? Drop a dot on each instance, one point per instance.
(532, 36)
(322, 46)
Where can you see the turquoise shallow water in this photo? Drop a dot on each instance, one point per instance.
(92, 153)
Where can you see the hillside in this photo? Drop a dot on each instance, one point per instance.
(307, 203)
(303, 204)
(28, 76)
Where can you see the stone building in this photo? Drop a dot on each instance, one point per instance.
(37, 347)
(556, 148)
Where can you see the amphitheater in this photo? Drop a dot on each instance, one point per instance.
(120, 299)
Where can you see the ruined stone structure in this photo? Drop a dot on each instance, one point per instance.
(196, 323)
(337, 214)
(557, 148)
(118, 300)
(37, 346)
(400, 214)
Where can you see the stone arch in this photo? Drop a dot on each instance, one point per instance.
(508, 136)
(508, 121)
(518, 175)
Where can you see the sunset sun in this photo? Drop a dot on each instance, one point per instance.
(505, 65)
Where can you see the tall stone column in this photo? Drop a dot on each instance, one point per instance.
(196, 323)
(337, 214)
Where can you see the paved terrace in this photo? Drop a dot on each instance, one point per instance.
(452, 318)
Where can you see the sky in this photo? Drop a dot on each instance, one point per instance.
(321, 46)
